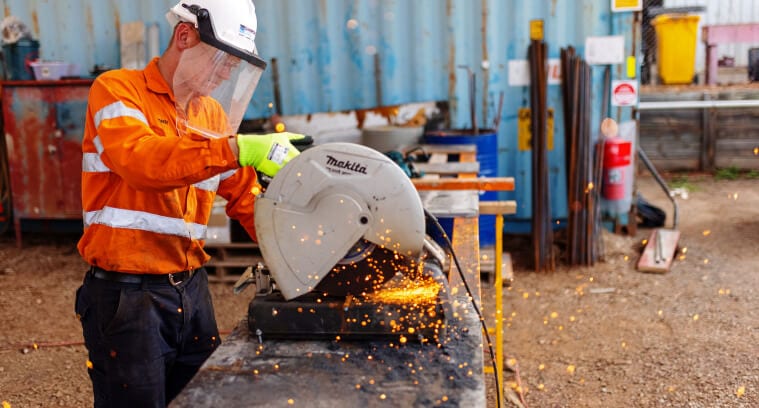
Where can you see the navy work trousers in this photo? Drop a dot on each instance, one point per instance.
(145, 340)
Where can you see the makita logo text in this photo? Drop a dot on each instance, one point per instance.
(346, 165)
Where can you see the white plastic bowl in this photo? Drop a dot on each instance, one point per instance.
(50, 70)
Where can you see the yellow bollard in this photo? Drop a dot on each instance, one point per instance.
(499, 299)
(498, 208)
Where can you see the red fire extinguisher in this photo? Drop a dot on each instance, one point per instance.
(616, 168)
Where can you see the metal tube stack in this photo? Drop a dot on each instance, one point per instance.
(583, 158)
(542, 225)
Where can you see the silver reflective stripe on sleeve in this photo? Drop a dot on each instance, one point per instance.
(98, 144)
(227, 174)
(118, 110)
(209, 184)
(144, 221)
(91, 163)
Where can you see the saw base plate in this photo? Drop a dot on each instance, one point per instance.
(413, 314)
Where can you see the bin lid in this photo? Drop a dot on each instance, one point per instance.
(655, 11)
(667, 18)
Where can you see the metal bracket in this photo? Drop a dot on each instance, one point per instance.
(260, 278)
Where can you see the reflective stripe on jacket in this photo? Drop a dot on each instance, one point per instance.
(147, 193)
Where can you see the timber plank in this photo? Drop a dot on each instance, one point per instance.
(449, 168)
(669, 239)
(442, 148)
(498, 207)
(480, 183)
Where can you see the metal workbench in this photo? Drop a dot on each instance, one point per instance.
(284, 373)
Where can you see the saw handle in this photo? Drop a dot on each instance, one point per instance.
(302, 142)
(263, 179)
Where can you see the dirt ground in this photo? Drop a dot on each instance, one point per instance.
(602, 336)
(610, 336)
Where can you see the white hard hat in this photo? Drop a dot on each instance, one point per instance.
(229, 25)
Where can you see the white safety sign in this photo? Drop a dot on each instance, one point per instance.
(624, 93)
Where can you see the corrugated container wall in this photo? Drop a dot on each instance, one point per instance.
(722, 12)
(325, 52)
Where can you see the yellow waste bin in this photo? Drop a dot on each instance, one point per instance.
(676, 47)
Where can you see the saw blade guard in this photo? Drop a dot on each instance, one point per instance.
(327, 199)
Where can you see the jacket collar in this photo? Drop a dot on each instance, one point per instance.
(155, 80)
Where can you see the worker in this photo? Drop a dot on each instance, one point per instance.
(159, 144)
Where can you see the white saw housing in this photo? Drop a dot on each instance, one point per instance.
(327, 199)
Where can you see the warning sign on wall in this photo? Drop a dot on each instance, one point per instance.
(624, 93)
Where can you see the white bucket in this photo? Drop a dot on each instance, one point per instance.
(387, 138)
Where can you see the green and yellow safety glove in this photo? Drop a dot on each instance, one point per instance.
(267, 153)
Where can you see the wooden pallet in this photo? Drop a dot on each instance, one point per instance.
(229, 261)
(487, 266)
(446, 160)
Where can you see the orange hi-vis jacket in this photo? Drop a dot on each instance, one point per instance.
(147, 192)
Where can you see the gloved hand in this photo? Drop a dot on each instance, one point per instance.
(267, 153)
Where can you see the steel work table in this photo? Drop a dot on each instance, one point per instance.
(286, 373)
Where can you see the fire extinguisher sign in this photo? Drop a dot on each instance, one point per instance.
(624, 93)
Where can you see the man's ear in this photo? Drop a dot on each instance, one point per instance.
(186, 36)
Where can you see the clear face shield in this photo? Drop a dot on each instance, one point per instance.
(212, 89)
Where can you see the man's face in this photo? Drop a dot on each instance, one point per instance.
(222, 68)
(203, 68)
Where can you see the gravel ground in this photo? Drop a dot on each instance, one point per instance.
(611, 336)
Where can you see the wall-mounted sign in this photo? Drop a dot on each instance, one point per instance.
(605, 50)
(519, 72)
(536, 30)
(524, 129)
(624, 93)
(626, 5)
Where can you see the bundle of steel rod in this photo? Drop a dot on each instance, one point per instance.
(583, 158)
(542, 225)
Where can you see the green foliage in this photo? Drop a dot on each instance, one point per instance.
(728, 173)
(734, 173)
(682, 181)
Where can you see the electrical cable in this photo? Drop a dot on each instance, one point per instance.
(53, 344)
(471, 296)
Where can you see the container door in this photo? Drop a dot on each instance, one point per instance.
(70, 110)
(32, 153)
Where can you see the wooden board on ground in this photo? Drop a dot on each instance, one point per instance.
(648, 260)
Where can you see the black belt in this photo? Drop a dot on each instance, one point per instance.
(173, 279)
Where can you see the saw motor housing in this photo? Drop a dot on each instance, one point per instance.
(340, 218)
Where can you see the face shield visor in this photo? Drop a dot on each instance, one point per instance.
(212, 89)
